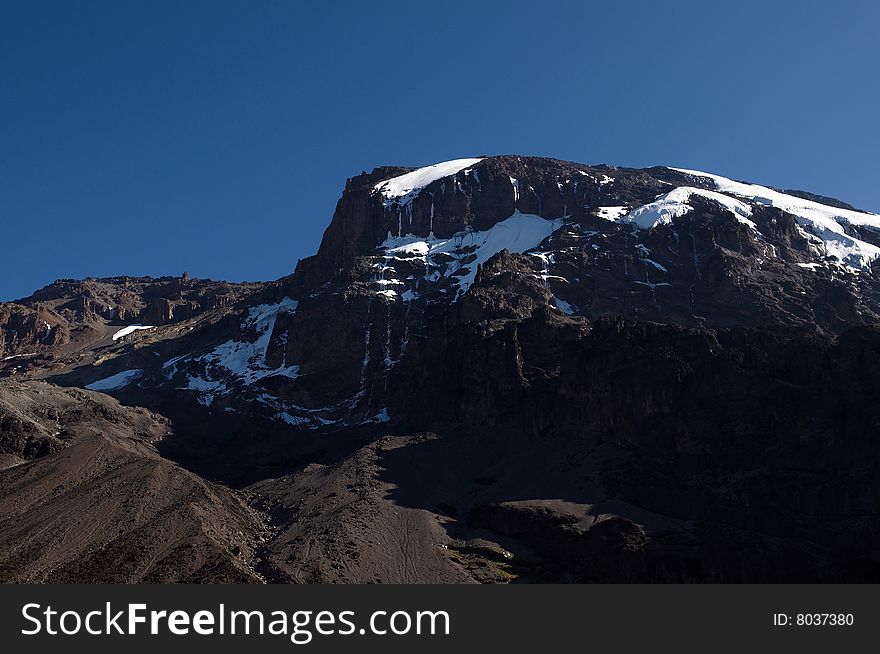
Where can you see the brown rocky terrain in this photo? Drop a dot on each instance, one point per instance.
(86, 496)
(514, 369)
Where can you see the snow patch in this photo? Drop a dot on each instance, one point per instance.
(563, 306)
(245, 360)
(172, 362)
(403, 189)
(824, 221)
(381, 417)
(241, 361)
(19, 356)
(611, 213)
(125, 331)
(117, 381)
(675, 204)
(467, 250)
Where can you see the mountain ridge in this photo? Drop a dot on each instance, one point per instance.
(601, 373)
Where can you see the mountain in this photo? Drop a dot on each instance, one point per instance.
(504, 369)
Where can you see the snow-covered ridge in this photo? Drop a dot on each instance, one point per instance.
(401, 190)
(675, 204)
(519, 233)
(823, 221)
(789, 203)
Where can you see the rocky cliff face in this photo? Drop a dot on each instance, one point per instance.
(554, 371)
(494, 244)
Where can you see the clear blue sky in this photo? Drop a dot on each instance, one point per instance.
(215, 137)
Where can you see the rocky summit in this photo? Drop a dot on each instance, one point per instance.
(494, 369)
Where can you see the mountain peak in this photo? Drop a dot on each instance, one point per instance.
(467, 321)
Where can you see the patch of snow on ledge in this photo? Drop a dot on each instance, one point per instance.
(19, 356)
(611, 213)
(404, 188)
(246, 360)
(563, 306)
(125, 331)
(675, 204)
(117, 381)
(241, 361)
(517, 234)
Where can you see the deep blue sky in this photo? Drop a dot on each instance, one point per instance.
(215, 137)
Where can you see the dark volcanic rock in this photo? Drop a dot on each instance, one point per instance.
(579, 396)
